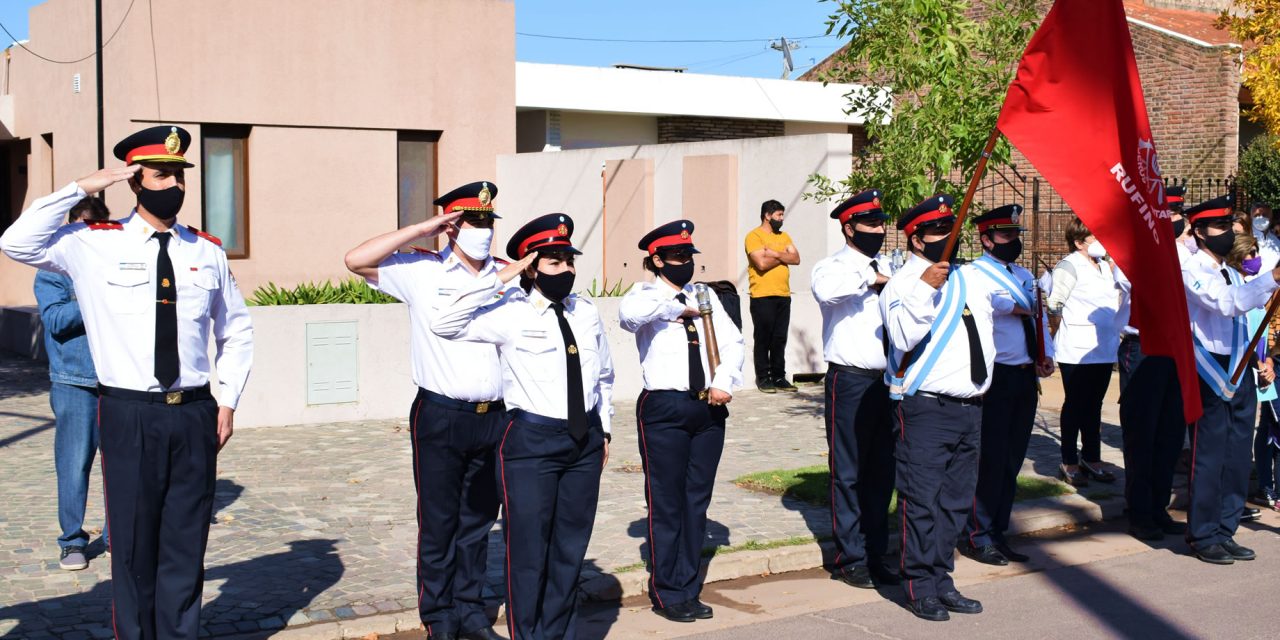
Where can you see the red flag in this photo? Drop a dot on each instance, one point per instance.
(1076, 111)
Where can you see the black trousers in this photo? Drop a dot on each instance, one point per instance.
(771, 318)
(860, 459)
(454, 475)
(681, 439)
(1083, 387)
(550, 484)
(1221, 446)
(1153, 428)
(1008, 415)
(937, 454)
(159, 463)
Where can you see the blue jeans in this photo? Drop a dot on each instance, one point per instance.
(1266, 458)
(74, 444)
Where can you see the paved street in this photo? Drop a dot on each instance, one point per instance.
(315, 522)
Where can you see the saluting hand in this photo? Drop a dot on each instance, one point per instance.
(514, 269)
(103, 178)
(436, 225)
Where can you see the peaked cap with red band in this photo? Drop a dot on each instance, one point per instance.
(864, 206)
(475, 197)
(543, 234)
(1173, 196)
(164, 144)
(1006, 217)
(677, 234)
(1209, 210)
(931, 211)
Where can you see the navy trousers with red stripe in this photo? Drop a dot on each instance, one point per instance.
(860, 459)
(550, 484)
(937, 454)
(159, 464)
(681, 439)
(454, 476)
(1008, 414)
(1221, 450)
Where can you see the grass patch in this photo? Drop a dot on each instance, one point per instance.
(812, 485)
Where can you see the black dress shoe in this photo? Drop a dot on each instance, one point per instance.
(676, 613)
(986, 554)
(442, 635)
(1172, 527)
(856, 576)
(781, 384)
(1011, 555)
(700, 610)
(1150, 533)
(486, 633)
(884, 576)
(930, 609)
(1250, 514)
(1238, 552)
(957, 603)
(1214, 554)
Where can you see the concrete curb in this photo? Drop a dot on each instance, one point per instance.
(1028, 517)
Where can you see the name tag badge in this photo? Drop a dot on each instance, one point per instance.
(133, 266)
(533, 333)
(446, 292)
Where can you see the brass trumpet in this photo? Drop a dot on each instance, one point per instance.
(708, 328)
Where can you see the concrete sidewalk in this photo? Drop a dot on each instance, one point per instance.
(314, 526)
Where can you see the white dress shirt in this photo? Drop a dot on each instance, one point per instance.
(467, 371)
(650, 310)
(1010, 336)
(1214, 305)
(1125, 310)
(527, 333)
(852, 323)
(1268, 247)
(114, 272)
(910, 306)
(1088, 333)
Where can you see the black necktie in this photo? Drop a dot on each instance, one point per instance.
(977, 364)
(166, 365)
(1028, 329)
(573, 376)
(884, 333)
(697, 378)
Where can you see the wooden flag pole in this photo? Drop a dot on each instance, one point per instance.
(1272, 306)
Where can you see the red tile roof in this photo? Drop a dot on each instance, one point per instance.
(1193, 24)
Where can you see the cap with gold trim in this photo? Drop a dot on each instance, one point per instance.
(547, 233)
(931, 211)
(164, 144)
(476, 197)
(1008, 217)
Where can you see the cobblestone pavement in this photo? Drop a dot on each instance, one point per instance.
(316, 522)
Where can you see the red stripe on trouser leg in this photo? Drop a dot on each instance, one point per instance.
(831, 465)
(506, 527)
(648, 487)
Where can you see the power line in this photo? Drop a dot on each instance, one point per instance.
(95, 52)
(631, 41)
(746, 57)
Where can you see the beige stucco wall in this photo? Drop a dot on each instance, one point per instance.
(325, 96)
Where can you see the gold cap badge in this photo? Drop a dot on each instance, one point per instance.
(172, 143)
(562, 230)
(485, 196)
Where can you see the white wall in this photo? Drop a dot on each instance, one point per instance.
(583, 130)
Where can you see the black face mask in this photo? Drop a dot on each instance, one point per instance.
(1179, 227)
(776, 225)
(933, 250)
(866, 242)
(1007, 252)
(678, 274)
(1220, 245)
(555, 287)
(162, 203)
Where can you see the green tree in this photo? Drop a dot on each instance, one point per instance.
(936, 76)
(1260, 170)
(1258, 22)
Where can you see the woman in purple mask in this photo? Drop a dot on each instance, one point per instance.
(1244, 258)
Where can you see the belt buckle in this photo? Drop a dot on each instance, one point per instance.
(173, 397)
(702, 395)
(482, 407)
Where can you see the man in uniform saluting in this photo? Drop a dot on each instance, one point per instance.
(151, 292)
(847, 287)
(942, 329)
(680, 414)
(456, 418)
(558, 385)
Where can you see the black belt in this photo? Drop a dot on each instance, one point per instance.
(848, 368)
(1025, 365)
(479, 408)
(158, 397)
(593, 418)
(692, 395)
(974, 401)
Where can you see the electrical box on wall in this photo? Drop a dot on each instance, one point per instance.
(331, 362)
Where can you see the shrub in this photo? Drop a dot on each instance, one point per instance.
(1260, 171)
(349, 291)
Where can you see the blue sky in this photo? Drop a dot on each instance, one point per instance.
(753, 21)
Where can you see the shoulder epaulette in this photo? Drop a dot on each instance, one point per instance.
(207, 236)
(99, 226)
(424, 250)
(501, 261)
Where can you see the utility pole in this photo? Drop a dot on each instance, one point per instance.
(97, 15)
(786, 48)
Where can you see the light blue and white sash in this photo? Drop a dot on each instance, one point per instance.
(931, 347)
(1207, 366)
(993, 269)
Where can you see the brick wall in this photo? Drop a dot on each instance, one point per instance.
(698, 129)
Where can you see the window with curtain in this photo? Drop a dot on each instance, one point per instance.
(416, 179)
(225, 178)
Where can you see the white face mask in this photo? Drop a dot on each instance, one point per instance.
(475, 242)
(1096, 250)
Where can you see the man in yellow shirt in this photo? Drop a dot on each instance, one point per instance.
(770, 253)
